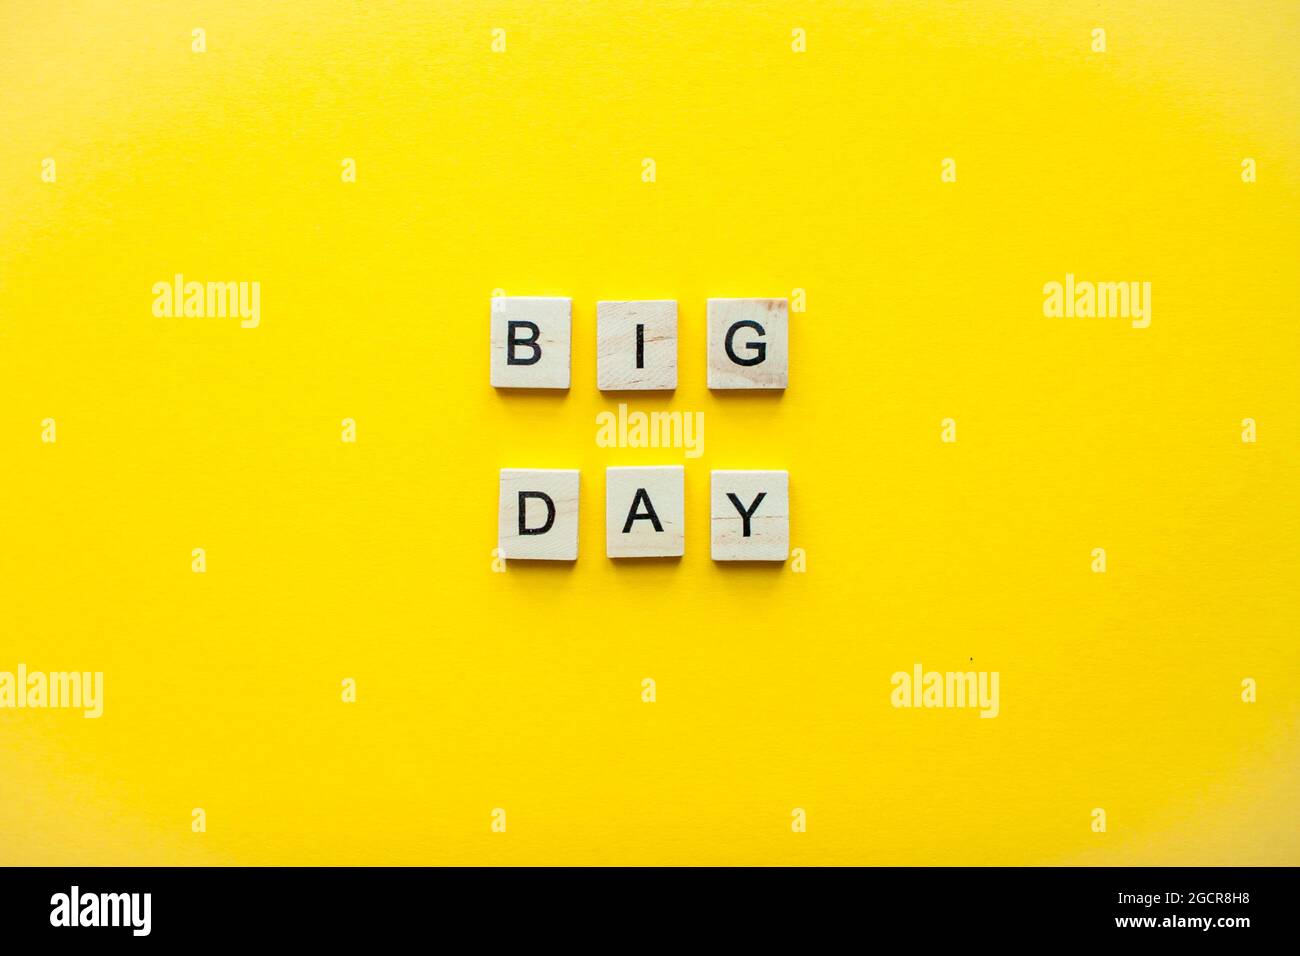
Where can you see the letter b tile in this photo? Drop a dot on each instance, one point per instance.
(749, 343)
(530, 342)
(538, 514)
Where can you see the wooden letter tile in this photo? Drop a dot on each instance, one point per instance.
(750, 512)
(530, 342)
(636, 345)
(538, 514)
(645, 512)
(749, 343)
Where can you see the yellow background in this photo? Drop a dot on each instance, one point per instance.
(775, 170)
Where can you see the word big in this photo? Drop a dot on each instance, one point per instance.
(636, 343)
(645, 514)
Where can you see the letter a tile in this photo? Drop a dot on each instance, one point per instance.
(538, 514)
(645, 512)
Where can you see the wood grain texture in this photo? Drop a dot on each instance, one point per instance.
(559, 542)
(617, 352)
(632, 495)
(749, 343)
(762, 495)
(553, 320)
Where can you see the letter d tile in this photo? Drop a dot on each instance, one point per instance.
(538, 514)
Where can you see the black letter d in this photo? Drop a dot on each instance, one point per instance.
(550, 512)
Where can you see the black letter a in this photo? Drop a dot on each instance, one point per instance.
(649, 512)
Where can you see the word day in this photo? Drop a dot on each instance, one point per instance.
(645, 514)
(636, 343)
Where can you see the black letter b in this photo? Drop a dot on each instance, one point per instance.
(512, 342)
